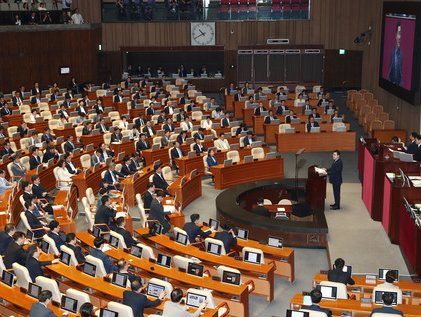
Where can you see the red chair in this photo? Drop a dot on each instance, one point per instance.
(226, 2)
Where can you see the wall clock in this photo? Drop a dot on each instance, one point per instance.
(202, 33)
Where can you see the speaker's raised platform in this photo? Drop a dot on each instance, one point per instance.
(234, 207)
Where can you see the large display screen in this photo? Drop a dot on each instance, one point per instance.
(398, 49)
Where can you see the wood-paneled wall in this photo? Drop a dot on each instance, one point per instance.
(90, 9)
(36, 56)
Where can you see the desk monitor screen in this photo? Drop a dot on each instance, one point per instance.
(228, 163)
(69, 304)
(379, 300)
(328, 292)
(154, 289)
(195, 269)
(89, 268)
(96, 231)
(252, 257)
(33, 290)
(275, 242)
(136, 251)
(248, 158)
(214, 248)
(119, 280)
(296, 313)
(242, 234)
(194, 300)
(45, 246)
(114, 242)
(156, 229)
(383, 272)
(315, 129)
(121, 155)
(65, 257)
(164, 260)
(7, 278)
(231, 277)
(181, 238)
(214, 223)
(107, 313)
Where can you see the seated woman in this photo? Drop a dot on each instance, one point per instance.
(64, 178)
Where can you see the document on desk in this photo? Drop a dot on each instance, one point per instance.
(320, 171)
(169, 209)
(120, 214)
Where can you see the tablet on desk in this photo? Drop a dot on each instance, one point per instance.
(8, 278)
(181, 238)
(33, 290)
(119, 279)
(297, 313)
(252, 257)
(154, 289)
(65, 258)
(214, 223)
(214, 248)
(45, 246)
(383, 272)
(242, 234)
(69, 304)
(275, 242)
(194, 300)
(231, 277)
(114, 242)
(164, 260)
(104, 312)
(136, 251)
(90, 269)
(328, 292)
(195, 269)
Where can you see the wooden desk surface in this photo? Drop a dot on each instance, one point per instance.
(315, 142)
(207, 257)
(171, 273)
(342, 305)
(188, 190)
(247, 172)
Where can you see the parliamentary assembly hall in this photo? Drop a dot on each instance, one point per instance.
(213, 158)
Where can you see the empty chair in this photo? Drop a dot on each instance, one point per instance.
(142, 211)
(283, 127)
(107, 138)
(340, 289)
(234, 156)
(81, 297)
(242, 141)
(114, 115)
(73, 260)
(258, 153)
(79, 131)
(22, 275)
(389, 125)
(368, 119)
(85, 161)
(254, 250)
(89, 217)
(101, 92)
(53, 123)
(100, 269)
(196, 115)
(285, 202)
(46, 115)
(267, 202)
(51, 285)
(120, 309)
(168, 175)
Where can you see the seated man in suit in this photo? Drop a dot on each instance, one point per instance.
(159, 180)
(138, 301)
(221, 143)
(102, 126)
(105, 214)
(14, 251)
(198, 147)
(47, 136)
(412, 147)
(259, 109)
(4, 183)
(335, 115)
(322, 100)
(148, 129)
(120, 223)
(417, 155)
(181, 116)
(22, 129)
(7, 149)
(98, 107)
(106, 152)
(194, 231)
(311, 123)
(157, 213)
(36, 99)
(98, 253)
(149, 196)
(119, 97)
(176, 152)
(70, 166)
(142, 144)
(6, 237)
(33, 221)
(69, 146)
(261, 209)
(249, 139)
(116, 136)
(97, 157)
(387, 307)
(55, 233)
(168, 126)
(225, 122)
(199, 134)
(125, 168)
(242, 128)
(40, 308)
(123, 269)
(165, 139)
(227, 237)
(182, 137)
(81, 110)
(34, 265)
(338, 275)
(270, 117)
(71, 243)
(137, 162)
(87, 128)
(37, 189)
(314, 113)
(111, 177)
(316, 297)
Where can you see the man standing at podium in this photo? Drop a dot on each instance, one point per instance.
(335, 178)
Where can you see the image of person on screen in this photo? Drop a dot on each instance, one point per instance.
(395, 71)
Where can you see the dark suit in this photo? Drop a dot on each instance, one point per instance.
(160, 182)
(199, 148)
(194, 230)
(147, 199)
(248, 141)
(318, 308)
(57, 239)
(6, 151)
(35, 267)
(138, 302)
(142, 145)
(417, 155)
(38, 190)
(386, 310)
(339, 276)
(81, 111)
(259, 110)
(412, 148)
(312, 125)
(70, 169)
(16, 101)
(176, 154)
(108, 177)
(101, 127)
(134, 165)
(128, 239)
(116, 138)
(69, 147)
(269, 119)
(14, 253)
(34, 161)
(105, 215)
(225, 123)
(227, 239)
(168, 127)
(5, 240)
(33, 221)
(108, 264)
(39, 310)
(212, 161)
(180, 139)
(335, 178)
(199, 136)
(261, 210)
(118, 98)
(5, 112)
(47, 137)
(80, 257)
(125, 170)
(156, 212)
(146, 131)
(150, 111)
(49, 155)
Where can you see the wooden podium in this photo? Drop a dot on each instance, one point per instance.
(315, 189)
